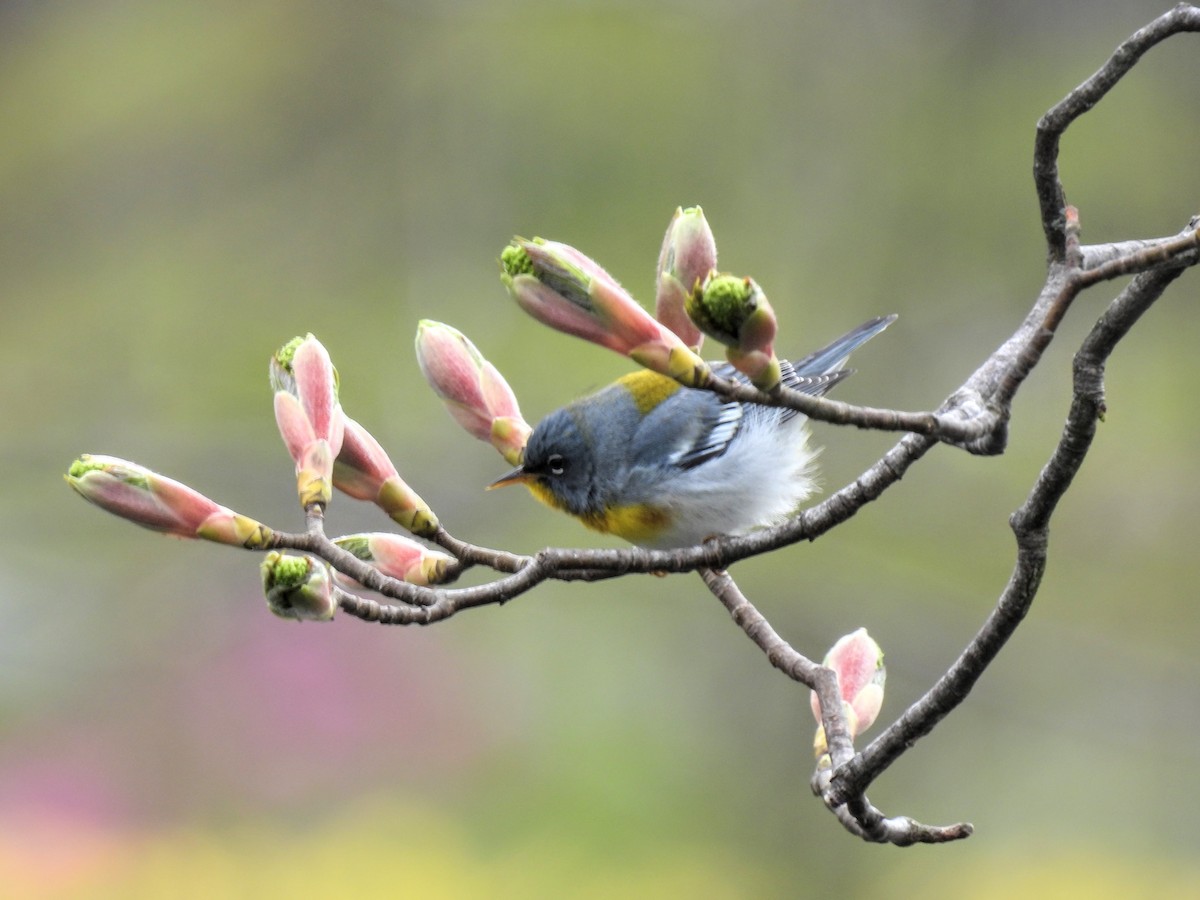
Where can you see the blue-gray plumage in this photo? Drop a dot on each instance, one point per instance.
(667, 466)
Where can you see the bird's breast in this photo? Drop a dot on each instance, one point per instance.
(635, 522)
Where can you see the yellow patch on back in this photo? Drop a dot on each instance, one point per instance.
(648, 389)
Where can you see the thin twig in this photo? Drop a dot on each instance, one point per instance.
(856, 814)
(1055, 122)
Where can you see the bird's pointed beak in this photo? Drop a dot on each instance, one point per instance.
(516, 476)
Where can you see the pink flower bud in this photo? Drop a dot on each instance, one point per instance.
(298, 587)
(474, 392)
(308, 414)
(398, 557)
(562, 288)
(858, 662)
(364, 471)
(154, 501)
(689, 254)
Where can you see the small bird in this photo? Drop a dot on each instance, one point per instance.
(662, 465)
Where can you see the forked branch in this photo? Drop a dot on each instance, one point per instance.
(413, 578)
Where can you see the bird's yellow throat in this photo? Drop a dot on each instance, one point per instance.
(635, 522)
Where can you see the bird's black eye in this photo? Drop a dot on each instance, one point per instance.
(556, 464)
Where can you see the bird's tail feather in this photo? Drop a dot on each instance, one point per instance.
(835, 355)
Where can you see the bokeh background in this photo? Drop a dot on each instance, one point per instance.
(183, 187)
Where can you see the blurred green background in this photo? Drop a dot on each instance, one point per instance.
(183, 187)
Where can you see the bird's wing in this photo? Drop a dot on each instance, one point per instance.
(712, 439)
(700, 425)
(704, 426)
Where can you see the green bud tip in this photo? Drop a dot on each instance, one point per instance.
(81, 467)
(88, 463)
(285, 570)
(356, 545)
(287, 352)
(726, 299)
(515, 261)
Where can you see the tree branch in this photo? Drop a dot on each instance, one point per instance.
(1050, 129)
(974, 417)
(856, 813)
(1030, 524)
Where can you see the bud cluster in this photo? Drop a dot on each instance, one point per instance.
(555, 283)
(562, 288)
(329, 450)
(568, 291)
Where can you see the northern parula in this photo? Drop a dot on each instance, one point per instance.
(662, 465)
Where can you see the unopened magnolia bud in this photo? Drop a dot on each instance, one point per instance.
(473, 390)
(154, 501)
(858, 662)
(398, 557)
(364, 471)
(308, 414)
(688, 255)
(736, 312)
(571, 293)
(298, 587)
